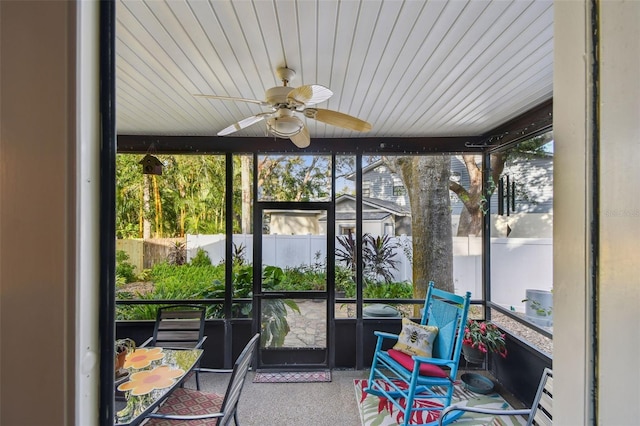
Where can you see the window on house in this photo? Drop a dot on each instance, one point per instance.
(366, 190)
(346, 230)
(399, 190)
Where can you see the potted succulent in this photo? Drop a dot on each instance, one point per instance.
(481, 337)
(122, 348)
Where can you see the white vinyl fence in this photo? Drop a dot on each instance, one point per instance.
(517, 264)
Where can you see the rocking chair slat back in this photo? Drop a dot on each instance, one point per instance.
(430, 381)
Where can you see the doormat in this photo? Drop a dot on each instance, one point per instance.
(292, 376)
(379, 411)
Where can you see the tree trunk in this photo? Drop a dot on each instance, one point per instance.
(427, 181)
(472, 197)
(245, 176)
(146, 201)
(158, 205)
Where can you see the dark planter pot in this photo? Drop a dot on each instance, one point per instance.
(473, 355)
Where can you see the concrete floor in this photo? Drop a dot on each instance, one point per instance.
(292, 404)
(296, 404)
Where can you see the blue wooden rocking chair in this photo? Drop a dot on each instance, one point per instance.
(420, 386)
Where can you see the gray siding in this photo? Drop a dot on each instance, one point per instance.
(533, 177)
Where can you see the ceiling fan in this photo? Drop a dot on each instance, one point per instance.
(284, 101)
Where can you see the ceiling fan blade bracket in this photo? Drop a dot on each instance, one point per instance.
(310, 113)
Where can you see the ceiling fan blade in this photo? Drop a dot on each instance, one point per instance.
(338, 119)
(242, 124)
(301, 139)
(230, 98)
(309, 95)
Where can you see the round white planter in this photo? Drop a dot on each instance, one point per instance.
(539, 307)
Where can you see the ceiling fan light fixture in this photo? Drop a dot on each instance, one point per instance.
(285, 126)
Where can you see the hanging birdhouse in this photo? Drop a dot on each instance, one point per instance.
(151, 165)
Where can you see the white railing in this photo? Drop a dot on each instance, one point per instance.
(517, 264)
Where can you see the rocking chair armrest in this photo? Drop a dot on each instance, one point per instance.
(385, 335)
(494, 411)
(434, 361)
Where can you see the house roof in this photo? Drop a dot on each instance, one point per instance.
(366, 216)
(388, 206)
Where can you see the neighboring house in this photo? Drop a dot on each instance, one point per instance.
(379, 217)
(530, 215)
(379, 182)
(383, 187)
(292, 222)
(386, 209)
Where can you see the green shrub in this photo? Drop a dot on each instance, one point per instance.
(344, 281)
(201, 280)
(242, 277)
(125, 272)
(201, 258)
(137, 312)
(145, 275)
(402, 290)
(184, 281)
(272, 277)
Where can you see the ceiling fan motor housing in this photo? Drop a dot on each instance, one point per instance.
(277, 96)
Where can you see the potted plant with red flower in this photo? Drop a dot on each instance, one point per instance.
(480, 338)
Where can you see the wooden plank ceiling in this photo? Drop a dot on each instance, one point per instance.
(411, 68)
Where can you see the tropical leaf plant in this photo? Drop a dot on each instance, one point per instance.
(177, 253)
(378, 255)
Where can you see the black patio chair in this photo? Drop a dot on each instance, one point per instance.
(179, 327)
(220, 409)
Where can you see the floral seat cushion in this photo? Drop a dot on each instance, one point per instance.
(185, 401)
